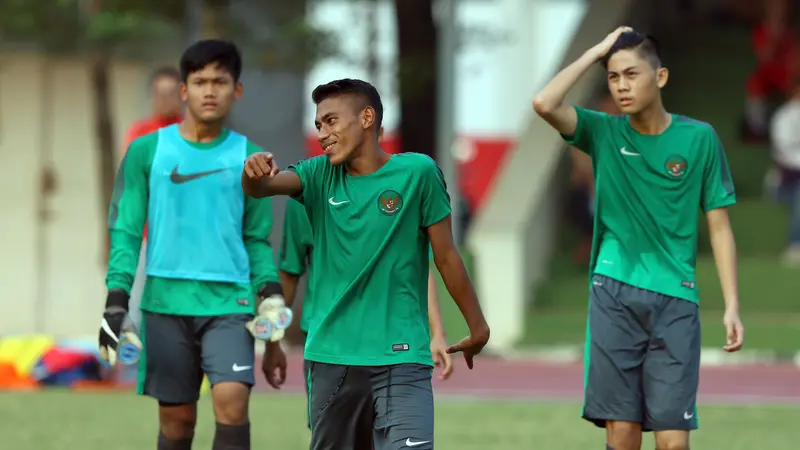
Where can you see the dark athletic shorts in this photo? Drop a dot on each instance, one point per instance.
(642, 357)
(355, 407)
(178, 350)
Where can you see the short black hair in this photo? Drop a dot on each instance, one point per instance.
(348, 86)
(646, 45)
(211, 51)
(165, 72)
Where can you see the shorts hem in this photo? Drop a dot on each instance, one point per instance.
(600, 420)
(657, 428)
(171, 400)
(646, 426)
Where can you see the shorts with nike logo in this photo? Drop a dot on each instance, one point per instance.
(178, 350)
(366, 408)
(642, 357)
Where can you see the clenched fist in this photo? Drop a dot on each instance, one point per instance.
(260, 165)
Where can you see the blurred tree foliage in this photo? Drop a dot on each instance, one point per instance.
(101, 30)
(97, 30)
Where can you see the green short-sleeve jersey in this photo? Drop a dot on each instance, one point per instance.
(128, 213)
(371, 259)
(297, 247)
(649, 189)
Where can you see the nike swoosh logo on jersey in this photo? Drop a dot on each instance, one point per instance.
(335, 203)
(238, 368)
(180, 178)
(627, 153)
(410, 443)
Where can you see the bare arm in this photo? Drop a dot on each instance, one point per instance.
(451, 267)
(724, 248)
(549, 102)
(434, 313)
(289, 286)
(283, 183)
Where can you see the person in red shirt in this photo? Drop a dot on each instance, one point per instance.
(165, 104)
(776, 48)
(166, 107)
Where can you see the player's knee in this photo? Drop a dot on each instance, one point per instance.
(177, 421)
(672, 440)
(231, 401)
(623, 435)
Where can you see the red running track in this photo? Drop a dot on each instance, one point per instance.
(525, 380)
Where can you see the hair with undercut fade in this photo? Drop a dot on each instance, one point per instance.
(644, 44)
(349, 86)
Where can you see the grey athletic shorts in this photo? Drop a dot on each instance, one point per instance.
(354, 407)
(178, 350)
(642, 359)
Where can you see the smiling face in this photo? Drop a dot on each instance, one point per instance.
(209, 93)
(634, 81)
(343, 122)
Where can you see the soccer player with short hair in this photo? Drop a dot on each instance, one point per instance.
(209, 258)
(653, 170)
(373, 217)
(295, 258)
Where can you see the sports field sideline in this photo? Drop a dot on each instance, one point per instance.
(500, 405)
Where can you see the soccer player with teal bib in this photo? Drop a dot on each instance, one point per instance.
(209, 259)
(653, 171)
(373, 217)
(297, 247)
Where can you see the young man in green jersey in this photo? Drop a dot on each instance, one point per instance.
(209, 259)
(297, 247)
(373, 217)
(653, 170)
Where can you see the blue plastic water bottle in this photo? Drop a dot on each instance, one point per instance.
(130, 346)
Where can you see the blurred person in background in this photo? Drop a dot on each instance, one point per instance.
(741, 12)
(776, 49)
(653, 170)
(580, 203)
(784, 178)
(581, 193)
(165, 104)
(165, 109)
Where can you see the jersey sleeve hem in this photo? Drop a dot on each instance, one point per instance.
(439, 219)
(721, 204)
(291, 269)
(576, 136)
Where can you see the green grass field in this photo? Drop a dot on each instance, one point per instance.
(84, 421)
(770, 309)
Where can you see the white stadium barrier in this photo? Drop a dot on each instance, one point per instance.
(512, 239)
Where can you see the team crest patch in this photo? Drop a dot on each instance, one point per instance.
(390, 202)
(676, 165)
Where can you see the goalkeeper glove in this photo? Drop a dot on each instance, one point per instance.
(117, 339)
(273, 317)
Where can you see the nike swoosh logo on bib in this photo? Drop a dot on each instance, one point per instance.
(179, 178)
